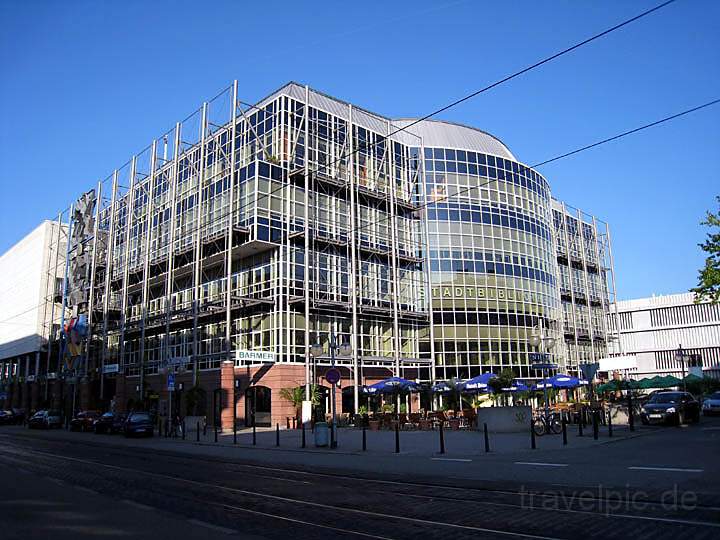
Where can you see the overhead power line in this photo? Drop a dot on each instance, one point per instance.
(626, 133)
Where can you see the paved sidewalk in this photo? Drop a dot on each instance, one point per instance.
(457, 444)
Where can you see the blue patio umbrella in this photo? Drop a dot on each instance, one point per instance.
(517, 386)
(442, 388)
(391, 385)
(558, 381)
(479, 383)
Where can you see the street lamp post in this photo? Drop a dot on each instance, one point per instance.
(680, 356)
(343, 349)
(540, 339)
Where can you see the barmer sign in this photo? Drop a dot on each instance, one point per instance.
(254, 357)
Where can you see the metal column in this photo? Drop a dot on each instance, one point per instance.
(130, 209)
(612, 273)
(171, 241)
(231, 225)
(93, 267)
(587, 285)
(570, 277)
(198, 242)
(149, 187)
(357, 377)
(110, 247)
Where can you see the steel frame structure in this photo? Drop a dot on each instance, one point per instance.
(203, 239)
(266, 226)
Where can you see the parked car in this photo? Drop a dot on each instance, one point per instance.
(711, 404)
(109, 423)
(670, 407)
(45, 420)
(84, 421)
(11, 416)
(138, 423)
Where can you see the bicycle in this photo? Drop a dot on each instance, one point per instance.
(552, 423)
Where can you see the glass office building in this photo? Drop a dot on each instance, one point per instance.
(249, 232)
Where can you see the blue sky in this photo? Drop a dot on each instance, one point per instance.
(86, 84)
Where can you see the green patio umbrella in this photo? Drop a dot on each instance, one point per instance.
(645, 383)
(655, 382)
(669, 381)
(692, 378)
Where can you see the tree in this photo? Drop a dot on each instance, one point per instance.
(296, 396)
(709, 276)
(504, 380)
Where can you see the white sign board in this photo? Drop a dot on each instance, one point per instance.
(254, 357)
(111, 368)
(618, 363)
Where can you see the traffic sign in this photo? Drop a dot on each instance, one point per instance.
(333, 375)
(589, 370)
(171, 382)
(539, 357)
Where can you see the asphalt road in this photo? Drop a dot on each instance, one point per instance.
(74, 485)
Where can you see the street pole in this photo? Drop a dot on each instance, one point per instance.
(681, 356)
(545, 396)
(170, 416)
(333, 442)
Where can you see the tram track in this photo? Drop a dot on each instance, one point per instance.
(362, 501)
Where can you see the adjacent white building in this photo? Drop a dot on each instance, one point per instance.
(653, 329)
(31, 272)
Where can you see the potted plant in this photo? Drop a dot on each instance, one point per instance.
(362, 416)
(296, 396)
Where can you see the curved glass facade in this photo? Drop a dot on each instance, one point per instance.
(491, 258)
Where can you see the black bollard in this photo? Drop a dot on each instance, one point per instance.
(442, 439)
(183, 430)
(631, 419)
(254, 434)
(303, 435)
(564, 431)
(487, 439)
(197, 432)
(397, 437)
(364, 439)
(532, 436)
(205, 429)
(277, 434)
(595, 425)
(580, 429)
(287, 421)
(234, 431)
(609, 423)
(216, 430)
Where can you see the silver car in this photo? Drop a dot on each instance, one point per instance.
(711, 404)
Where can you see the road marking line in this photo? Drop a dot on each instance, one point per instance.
(137, 504)
(55, 481)
(451, 459)
(207, 525)
(86, 490)
(710, 429)
(540, 464)
(670, 469)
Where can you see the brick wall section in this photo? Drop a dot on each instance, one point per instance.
(227, 385)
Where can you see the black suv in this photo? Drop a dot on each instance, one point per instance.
(670, 407)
